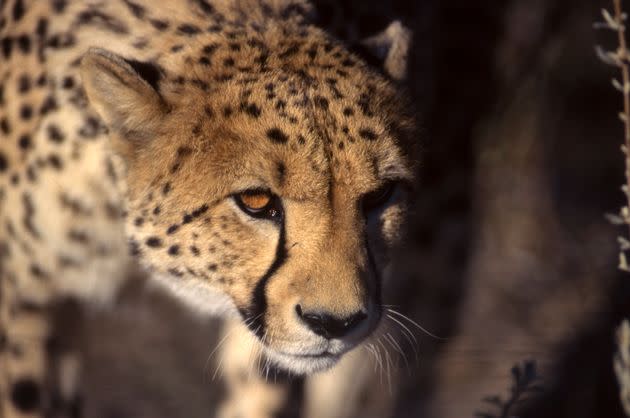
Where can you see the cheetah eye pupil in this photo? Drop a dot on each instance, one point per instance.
(259, 204)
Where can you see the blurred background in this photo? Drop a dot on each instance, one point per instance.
(509, 260)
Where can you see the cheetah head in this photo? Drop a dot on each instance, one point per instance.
(274, 195)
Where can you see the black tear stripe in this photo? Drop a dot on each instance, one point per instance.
(254, 315)
(378, 280)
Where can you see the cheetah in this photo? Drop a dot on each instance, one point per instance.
(238, 155)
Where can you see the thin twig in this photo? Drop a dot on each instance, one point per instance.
(622, 54)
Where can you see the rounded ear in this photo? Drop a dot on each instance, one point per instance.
(131, 108)
(391, 47)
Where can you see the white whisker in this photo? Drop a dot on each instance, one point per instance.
(388, 363)
(405, 331)
(414, 323)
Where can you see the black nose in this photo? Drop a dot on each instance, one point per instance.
(328, 326)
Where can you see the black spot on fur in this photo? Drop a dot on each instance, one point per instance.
(4, 163)
(291, 50)
(7, 46)
(251, 109)
(98, 18)
(183, 151)
(4, 126)
(276, 135)
(214, 28)
(209, 49)
(37, 272)
(200, 211)
(175, 272)
(201, 84)
(148, 71)
(205, 6)
(228, 62)
(194, 250)
(78, 236)
(321, 102)
(154, 242)
(91, 128)
(368, 134)
(49, 105)
(18, 10)
(134, 247)
(59, 5)
(55, 134)
(204, 60)
(282, 169)
(139, 221)
(25, 396)
(188, 29)
(26, 112)
(212, 267)
(156, 210)
(24, 83)
(348, 111)
(67, 83)
(55, 161)
(262, 59)
(172, 229)
(364, 105)
(62, 40)
(173, 250)
(136, 10)
(25, 142)
(158, 24)
(312, 52)
(24, 44)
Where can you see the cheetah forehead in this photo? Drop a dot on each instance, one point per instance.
(308, 126)
(271, 93)
(294, 135)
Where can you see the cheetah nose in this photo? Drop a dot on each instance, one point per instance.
(329, 326)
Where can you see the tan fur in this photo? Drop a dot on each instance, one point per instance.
(191, 103)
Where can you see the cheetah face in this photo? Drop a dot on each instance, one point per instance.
(281, 194)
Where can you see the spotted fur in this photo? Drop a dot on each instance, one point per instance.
(128, 128)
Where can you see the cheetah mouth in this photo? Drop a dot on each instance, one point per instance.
(324, 354)
(301, 363)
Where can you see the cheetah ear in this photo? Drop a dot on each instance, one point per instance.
(391, 48)
(127, 102)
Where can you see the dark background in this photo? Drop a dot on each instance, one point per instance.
(510, 258)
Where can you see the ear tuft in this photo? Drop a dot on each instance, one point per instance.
(391, 47)
(127, 102)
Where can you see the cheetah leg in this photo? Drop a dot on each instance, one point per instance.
(39, 374)
(253, 390)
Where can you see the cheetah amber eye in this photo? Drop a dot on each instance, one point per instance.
(379, 197)
(259, 204)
